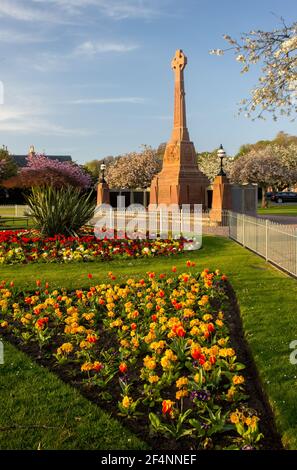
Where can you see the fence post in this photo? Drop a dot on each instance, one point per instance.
(181, 221)
(243, 231)
(295, 232)
(15, 210)
(266, 239)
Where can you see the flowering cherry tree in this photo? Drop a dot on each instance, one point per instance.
(7, 166)
(276, 91)
(134, 170)
(273, 166)
(43, 171)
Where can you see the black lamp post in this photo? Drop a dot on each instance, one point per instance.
(102, 169)
(221, 154)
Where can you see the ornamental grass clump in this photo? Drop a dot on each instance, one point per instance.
(60, 211)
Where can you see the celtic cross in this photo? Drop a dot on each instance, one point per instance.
(179, 61)
(180, 131)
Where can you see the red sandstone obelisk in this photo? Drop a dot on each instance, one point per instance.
(180, 181)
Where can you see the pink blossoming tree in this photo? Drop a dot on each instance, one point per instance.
(43, 171)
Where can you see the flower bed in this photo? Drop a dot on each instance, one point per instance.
(29, 247)
(155, 350)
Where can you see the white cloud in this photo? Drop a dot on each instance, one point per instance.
(131, 99)
(17, 11)
(32, 122)
(10, 114)
(117, 9)
(40, 127)
(46, 62)
(128, 9)
(16, 37)
(91, 48)
(64, 11)
(23, 12)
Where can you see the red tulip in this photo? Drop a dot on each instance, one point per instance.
(167, 406)
(211, 328)
(91, 339)
(202, 359)
(196, 353)
(123, 367)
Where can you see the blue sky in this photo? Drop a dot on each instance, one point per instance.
(92, 78)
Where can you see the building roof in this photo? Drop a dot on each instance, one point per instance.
(21, 160)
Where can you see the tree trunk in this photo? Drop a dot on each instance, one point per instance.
(264, 200)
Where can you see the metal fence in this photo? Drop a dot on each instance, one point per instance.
(161, 222)
(277, 243)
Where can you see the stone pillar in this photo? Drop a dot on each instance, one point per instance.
(221, 198)
(180, 180)
(145, 198)
(102, 193)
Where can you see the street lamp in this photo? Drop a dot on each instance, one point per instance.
(102, 170)
(221, 154)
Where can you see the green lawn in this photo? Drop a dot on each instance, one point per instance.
(280, 209)
(267, 300)
(38, 411)
(15, 223)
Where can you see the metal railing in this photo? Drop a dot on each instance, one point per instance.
(14, 217)
(153, 221)
(9, 223)
(277, 243)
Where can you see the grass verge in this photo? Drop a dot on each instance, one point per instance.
(39, 411)
(289, 210)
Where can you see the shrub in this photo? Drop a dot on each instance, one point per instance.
(60, 211)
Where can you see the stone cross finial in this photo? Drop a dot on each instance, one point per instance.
(179, 61)
(32, 150)
(180, 131)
